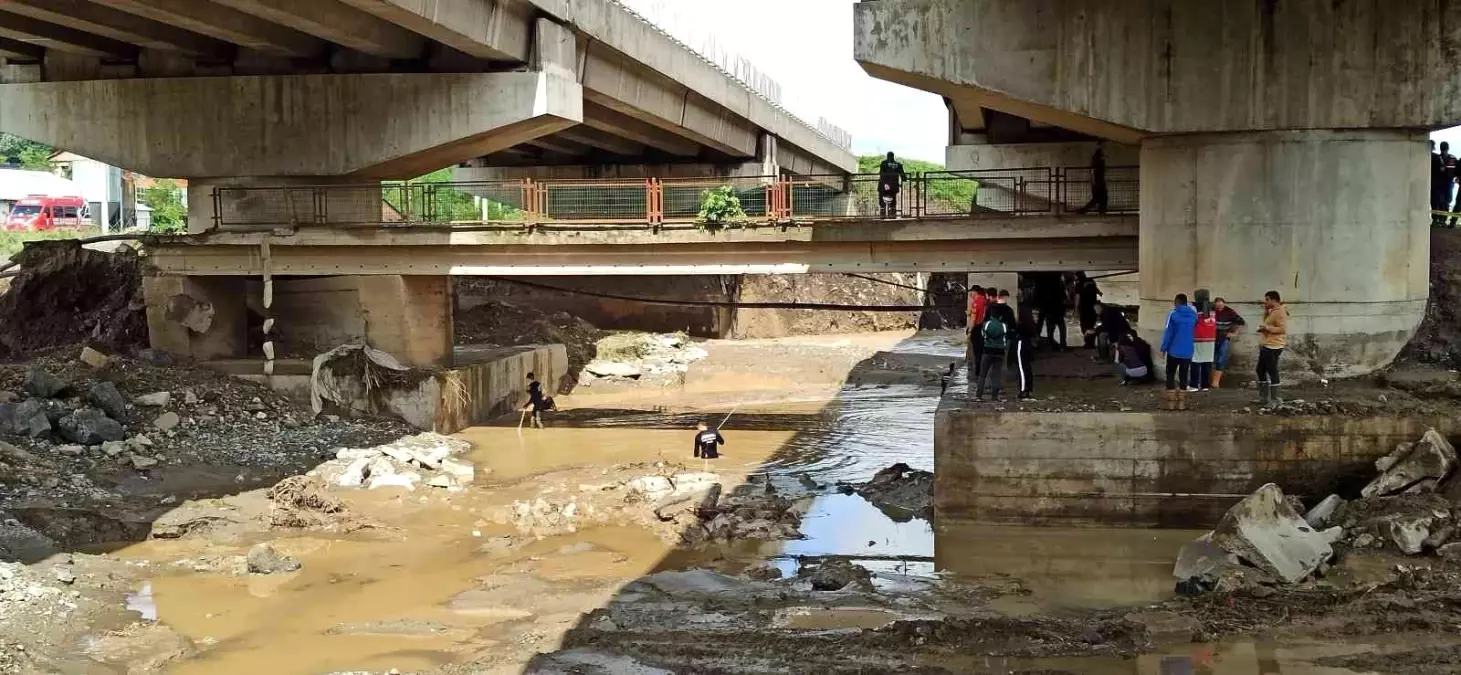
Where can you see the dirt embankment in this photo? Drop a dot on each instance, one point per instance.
(1438, 340)
(66, 294)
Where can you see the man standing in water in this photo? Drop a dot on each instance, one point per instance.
(537, 401)
(707, 441)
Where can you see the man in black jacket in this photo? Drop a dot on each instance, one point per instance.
(1110, 326)
(707, 442)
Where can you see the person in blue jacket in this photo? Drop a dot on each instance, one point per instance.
(1177, 348)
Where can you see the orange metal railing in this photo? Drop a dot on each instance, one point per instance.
(654, 202)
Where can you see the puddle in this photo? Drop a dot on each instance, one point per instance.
(143, 603)
(836, 618)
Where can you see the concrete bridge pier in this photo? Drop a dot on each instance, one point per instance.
(1335, 221)
(208, 318)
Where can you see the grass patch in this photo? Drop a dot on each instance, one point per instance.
(11, 242)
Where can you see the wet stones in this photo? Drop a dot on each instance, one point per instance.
(835, 575)
(263, 559)
(41, 384)
(900, 491)
(104, 395)
(90, 426)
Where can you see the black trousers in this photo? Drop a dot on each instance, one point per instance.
(1100, 201)
(1177, 371)
(976, 356)
(1051, 320)
(992, 377)
(1268, 364)
(1088, 323)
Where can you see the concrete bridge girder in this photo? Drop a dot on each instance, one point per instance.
(368, 126)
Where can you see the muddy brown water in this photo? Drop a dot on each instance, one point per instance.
(421, 593)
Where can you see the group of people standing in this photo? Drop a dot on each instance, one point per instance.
(1444, 174)
(1197, 342)
(996, 336)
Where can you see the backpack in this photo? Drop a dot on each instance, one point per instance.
(994, 333)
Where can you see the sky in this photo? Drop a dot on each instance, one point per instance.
(806, 45)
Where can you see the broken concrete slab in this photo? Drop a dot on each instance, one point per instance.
(354, 474)
(1200, 557)
(1318, 517)
(1431, 457)
(1409, 532)
(612, 369)
(158, 399)
(1266, 532)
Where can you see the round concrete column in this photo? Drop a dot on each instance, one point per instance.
(1335, 221)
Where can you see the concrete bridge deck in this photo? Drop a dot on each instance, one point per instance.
(646, 227)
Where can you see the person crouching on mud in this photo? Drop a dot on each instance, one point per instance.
(537, 401)
(707, 442)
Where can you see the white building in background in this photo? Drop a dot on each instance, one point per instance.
(108, 191)
(17, 184)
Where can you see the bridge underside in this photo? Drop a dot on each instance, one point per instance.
(950, 245)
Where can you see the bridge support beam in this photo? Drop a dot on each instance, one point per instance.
(207, 317)
(1335, 221)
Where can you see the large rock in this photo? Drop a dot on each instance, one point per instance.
(30, 418)
(1267, 533)
(263, 559)
(1432, 457)
(90, 426)
(42, 384)
(835, 575)
(105, 395)
(901, 492)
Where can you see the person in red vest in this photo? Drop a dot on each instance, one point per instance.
(978, 304)
(1204, 349)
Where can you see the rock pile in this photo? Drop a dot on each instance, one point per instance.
(1412, 507)
(682, 507)
(634, 355)
(407, 462)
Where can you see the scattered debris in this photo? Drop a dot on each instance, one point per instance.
(93, 358)
(263, 559)
(302, 502)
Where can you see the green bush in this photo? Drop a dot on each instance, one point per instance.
(165, 198)
(719, 208)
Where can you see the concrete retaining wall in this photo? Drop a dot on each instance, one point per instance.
(1169, 470)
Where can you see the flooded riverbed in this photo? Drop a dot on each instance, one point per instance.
(438, 584)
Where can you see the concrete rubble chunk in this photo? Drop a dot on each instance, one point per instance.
(1266, 532)
(1450, 551)
(441, 481)
(263, 559)
(1318, 517)
(90, 426)
(158, 399)
(70, 450)
(167, 420)
(105, 395)
(458, 469)
(1432, 457)
(613, 369)
(354, 474)
(405, 479)
(113, 448)
(1409, 532)
(142, 462)
(650, 487)
(401, 455)
(357, 453)
(94, 358)
(1200, 557)
(42, 384)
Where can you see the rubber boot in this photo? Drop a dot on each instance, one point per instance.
(1265, 394)
(1181, 400)
(1275, 398)
(1217, 378)
(1169, 399)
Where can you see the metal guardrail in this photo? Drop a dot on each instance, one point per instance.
(765, 200)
